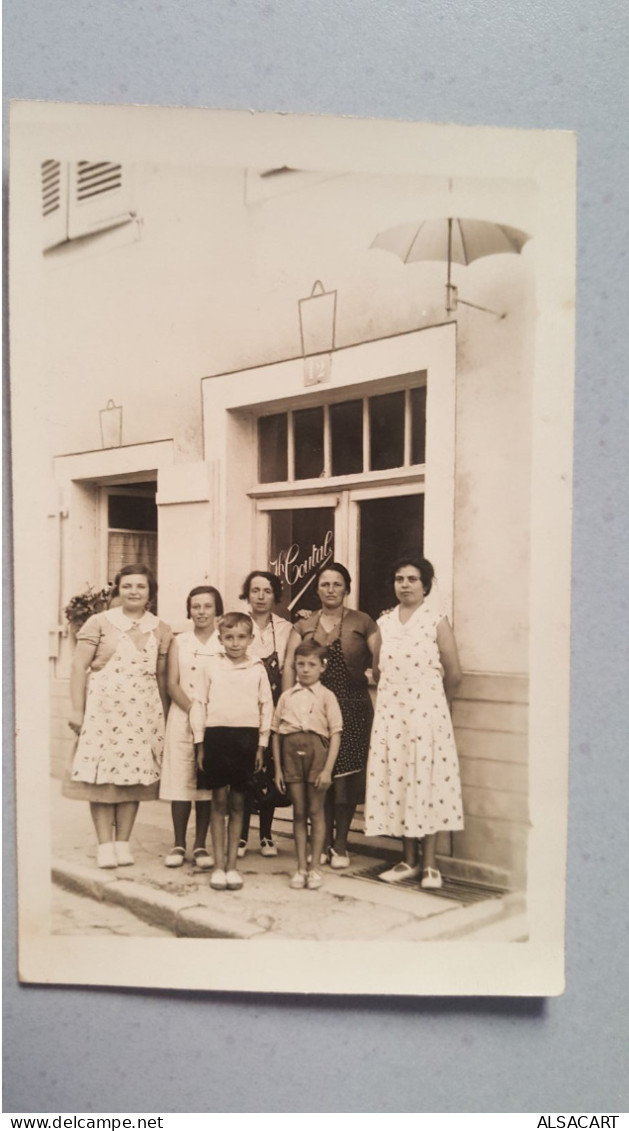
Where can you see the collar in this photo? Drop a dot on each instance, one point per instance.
(248, 662)
(146, 623)
(299, 687)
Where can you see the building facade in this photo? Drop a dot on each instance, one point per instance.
(213, 410)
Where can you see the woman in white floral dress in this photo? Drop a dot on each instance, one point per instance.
(118, 712)
(413, 782)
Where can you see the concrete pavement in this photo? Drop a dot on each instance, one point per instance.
(348, 907)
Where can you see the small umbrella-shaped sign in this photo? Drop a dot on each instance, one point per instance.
(451, 240)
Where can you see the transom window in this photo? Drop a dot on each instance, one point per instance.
(352, 437)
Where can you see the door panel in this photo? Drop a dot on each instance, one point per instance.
(301, 541)
(387, 527)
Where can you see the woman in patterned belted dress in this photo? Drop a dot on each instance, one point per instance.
(118, 713)
(179, 771)
(262, 592)
(413, 782)
(349, 636)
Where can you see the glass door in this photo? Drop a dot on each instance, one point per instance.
(384, 523)
(300, 535)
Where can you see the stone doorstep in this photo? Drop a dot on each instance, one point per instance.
(186, 918)
(182, 916)
(494, 920)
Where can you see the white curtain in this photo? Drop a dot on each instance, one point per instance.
(131, 546)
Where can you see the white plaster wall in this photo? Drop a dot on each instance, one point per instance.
(212, 285)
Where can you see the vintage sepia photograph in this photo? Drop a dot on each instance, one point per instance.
(292, 446)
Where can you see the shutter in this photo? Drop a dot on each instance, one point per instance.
(100, 198)
(54, 198)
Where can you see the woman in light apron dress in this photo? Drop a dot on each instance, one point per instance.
(188, 652)
(119, 700)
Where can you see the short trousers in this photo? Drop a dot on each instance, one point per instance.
(303, 756)
(229, 756)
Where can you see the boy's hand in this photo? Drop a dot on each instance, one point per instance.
(259, 758)
(198, 749)
(324, 781)
(279, 781)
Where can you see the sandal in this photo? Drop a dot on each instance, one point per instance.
(431, 879)
(202, 859)
(176, 857)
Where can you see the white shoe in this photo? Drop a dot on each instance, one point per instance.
(242, 849)
(314, 881)
(431, 879)
(267, 848)
(106, 855)
(176, 857)
(298, 881)
(202, 859)
(123, 852)
(233, 880)
(400, 872)
(338, 861)
(218, 880)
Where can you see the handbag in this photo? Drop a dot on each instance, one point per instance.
(261, 790)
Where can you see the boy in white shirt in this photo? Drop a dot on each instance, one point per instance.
(230, 718)
(307, 727)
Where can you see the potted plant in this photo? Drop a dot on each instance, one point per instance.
(84, 604)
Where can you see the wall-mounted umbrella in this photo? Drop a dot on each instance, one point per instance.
(451, 240)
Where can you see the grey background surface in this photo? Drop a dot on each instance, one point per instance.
(544, 64)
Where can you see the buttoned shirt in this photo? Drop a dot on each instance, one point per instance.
(313, 708)
(274, 637)
(225, 694)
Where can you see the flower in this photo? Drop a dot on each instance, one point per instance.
(85, 604)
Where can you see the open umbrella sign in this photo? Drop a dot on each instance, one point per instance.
(451, 240)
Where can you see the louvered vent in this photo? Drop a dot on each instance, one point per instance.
(51, 186)
(96, 178)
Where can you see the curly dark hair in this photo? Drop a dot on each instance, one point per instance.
(422, 565)
(272, 578)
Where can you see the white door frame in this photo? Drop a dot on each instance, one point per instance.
(233, 401)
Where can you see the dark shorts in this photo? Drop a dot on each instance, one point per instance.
(229, 755)
(303, 756)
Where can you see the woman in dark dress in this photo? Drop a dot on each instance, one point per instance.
(349, 636)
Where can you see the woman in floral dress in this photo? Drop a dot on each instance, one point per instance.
(118, 712)
(413, 783)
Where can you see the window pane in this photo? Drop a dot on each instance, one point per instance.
(308, 432)
(386, 423)
(388, 528)
(128, 512)
(346, 428)
(418, 425)
(129, 549)
(273, 448)
(302, 540)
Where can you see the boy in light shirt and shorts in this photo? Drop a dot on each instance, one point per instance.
(307, 727)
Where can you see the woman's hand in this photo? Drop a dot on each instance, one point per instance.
(198, 750)
(75, 722)
(324, 780)
(259, 758)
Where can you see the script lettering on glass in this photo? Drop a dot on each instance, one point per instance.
(301, 542)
